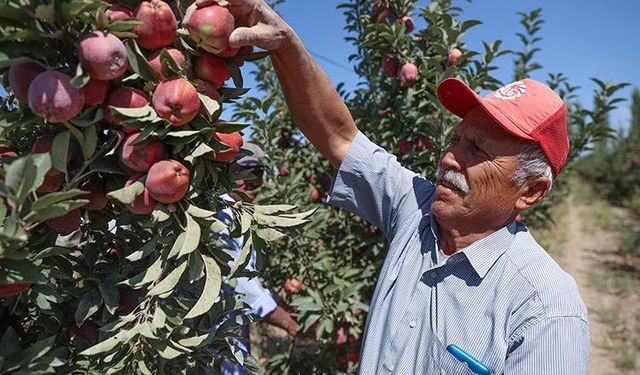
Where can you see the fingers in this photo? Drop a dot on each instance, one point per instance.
(261, 35)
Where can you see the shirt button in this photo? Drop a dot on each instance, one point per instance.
(390, 368)
(412, 323)
(433, 274)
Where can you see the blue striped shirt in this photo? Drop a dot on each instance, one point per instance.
(503, 299)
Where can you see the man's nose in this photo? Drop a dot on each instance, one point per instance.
(448, 161)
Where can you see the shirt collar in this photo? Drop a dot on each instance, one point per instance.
(484, 253)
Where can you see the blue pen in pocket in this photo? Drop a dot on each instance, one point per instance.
(474, 364)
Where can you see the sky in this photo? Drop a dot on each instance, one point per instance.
(581, 38)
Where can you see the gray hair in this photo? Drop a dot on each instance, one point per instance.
(532, 163)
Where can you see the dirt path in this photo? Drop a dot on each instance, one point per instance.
(583, 251)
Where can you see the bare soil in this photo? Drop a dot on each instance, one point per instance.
(589, 252)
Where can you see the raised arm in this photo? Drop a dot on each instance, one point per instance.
(313, 101)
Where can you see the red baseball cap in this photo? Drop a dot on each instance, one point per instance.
(527, 109)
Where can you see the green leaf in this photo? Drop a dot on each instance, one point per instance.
(26, 174)
(144, 251)
(212, 284)
(195, 266)
(278, 221)
(104, 346)
(90, 141)
(269, 234)
(169, 283)
(3, 210)
(89, 304)
(123, 25)
(202, 149)
(139, 63)
(146, 276)
(90, 116)
(132, 113)
(245, 221)
(55, 210)
(110, 295)
(12, 230)
(210, 106)
(198, 212)
(164, 349)
(159, 317)
(273, 209)
(127, 194)
(242, 259)
(55, 197)
(229, 127)
(168, 64)
(189, 239)
(27, 356)
(80, 79)
(19, 271)
(53, 251)
(60, 151)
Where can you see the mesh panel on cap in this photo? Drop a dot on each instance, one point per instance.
(553, 139)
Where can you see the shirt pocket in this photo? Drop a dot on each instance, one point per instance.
(443, 363)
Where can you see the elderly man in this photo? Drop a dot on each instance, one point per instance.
(459, 270)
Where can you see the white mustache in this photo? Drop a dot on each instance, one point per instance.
(453, 178)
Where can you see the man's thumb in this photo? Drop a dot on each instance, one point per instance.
(261, 35)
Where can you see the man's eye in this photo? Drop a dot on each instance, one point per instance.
(476, 148)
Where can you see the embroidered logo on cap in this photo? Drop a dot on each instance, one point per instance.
(512, 91)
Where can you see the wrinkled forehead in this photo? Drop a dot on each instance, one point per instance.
(478, 126)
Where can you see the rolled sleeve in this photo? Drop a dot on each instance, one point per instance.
(372, 184)
(256, 296)
(557, 345)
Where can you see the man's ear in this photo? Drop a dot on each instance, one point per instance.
(532, 193)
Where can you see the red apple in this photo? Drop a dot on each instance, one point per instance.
(159, 25)
(103, 56)
(168, 181)
(139, 158)
(52, 97)
(21, 74)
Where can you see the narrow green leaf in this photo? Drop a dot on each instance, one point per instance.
(104, 346)
(89, 304)
(110, 295)
(210, 106)
(269, 234)
(212, 284)
(29, 355)
(192, 238)
(132, 113)
(127, 194)
(90, 141)
(146, 276)
(144, 251)
(273, 209)
(55, 210)
(26, 174)
(198, 212)
(243, 256)
(51, 198)
(168, 283)
(60, 151)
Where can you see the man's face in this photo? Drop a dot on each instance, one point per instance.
(482, 156)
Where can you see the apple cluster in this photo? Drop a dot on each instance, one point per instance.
(183, 78)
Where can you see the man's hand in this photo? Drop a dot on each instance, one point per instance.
(258, 24)
(282, 319)
(315, 105)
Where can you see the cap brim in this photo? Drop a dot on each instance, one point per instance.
(458, 98)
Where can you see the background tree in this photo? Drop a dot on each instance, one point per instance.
(112, 169)
(338, 256)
